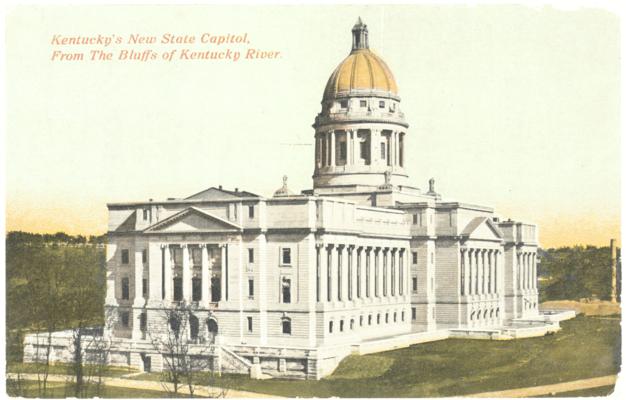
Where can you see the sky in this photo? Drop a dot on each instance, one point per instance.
(512, 107)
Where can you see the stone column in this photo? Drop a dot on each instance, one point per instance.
(323, 272)
(356, 149)
(350, 280)
(377, 286)
(138, 301)
(479, 270)
(186, 275)
(491, 274)
(349, 147)
(470, 268)
(332, 148)
(535, 271)
(496, 276)
(110, 299)
(205, 276)
(155, 268)
(466, 267)
(374, 137)
(223, 282)
(331, 290)
(167, 276)
(368, 273)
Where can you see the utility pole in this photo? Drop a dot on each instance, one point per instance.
(613, 272)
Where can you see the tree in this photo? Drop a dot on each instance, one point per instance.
(183, 359)
(576, 272)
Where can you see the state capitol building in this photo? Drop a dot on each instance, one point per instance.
(363, 262)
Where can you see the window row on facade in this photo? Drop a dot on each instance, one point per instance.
(356, 147)
(341, 325)
(349, 272)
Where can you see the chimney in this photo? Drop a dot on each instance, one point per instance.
(236, 189)
(220, 187)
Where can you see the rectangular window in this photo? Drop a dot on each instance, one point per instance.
(251, 212)
(145, 214)
(286, 290)
(144, 287)
(364, 150)
(415, 284)
(363, 103)
(413, 313)
(144, 256)
(249, 324)
(381, 104)
(414, 219)
(125, 289)
(414, 257)
(196, 289)
(250, 288)
(383, 151)
(251, 256)
(178, 289)
(125, 256)
(343, 150)
(286, 256)
(124, 319)
(343, 104)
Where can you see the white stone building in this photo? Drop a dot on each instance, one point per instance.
(289, 285)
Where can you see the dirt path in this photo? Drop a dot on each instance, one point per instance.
(555, 388)
(207, 391)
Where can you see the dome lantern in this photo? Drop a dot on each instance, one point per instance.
(359, 36)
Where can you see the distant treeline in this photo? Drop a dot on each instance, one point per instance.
(19, 237)
(572, 273)
(53, 282)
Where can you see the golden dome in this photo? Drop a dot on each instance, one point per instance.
(362, 71)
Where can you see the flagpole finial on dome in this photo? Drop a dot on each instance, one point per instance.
(359, 36)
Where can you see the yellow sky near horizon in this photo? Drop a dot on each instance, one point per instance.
(511, 107)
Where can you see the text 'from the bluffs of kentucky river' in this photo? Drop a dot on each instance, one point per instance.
(167, 47)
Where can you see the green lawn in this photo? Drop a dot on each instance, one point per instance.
(586, 347)
(62, 369)
(59, 390)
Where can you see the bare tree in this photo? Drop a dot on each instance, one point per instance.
(184, 352)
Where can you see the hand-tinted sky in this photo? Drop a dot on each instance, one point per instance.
(511, 107)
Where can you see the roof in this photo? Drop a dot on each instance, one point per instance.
(476, 222)
(361, 71)
(213, 193)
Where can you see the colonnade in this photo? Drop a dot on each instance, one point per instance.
(328, 143)
(348, 272)
(162, 273)
(480, 270)
(526, 270)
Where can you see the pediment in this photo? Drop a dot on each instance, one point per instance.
(193, 220)
(482, 228)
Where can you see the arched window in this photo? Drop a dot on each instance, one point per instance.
(351, 324)
(330, 327)
(212, 328)
(378, 319)
(386, 318)
(472, 315)
(361, 320)
(491, 313)
(341, 326)
(395, 317)
(497, 312)
(286, 322)
(485, 314)
(369, 319)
